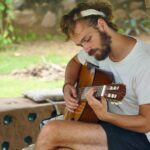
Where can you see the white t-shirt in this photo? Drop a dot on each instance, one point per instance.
(134, 72)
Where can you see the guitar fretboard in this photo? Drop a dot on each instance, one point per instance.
(100, 91)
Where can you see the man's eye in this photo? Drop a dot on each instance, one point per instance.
(88, 39)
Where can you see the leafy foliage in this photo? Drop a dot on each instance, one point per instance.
(136, 21)
(10, 34)
(6, 28)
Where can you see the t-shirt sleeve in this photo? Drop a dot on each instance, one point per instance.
(143, 85)
(83, 57)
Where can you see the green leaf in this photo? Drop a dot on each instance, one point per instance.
(7, 41)
(13, 38)
(1, 38)
(8, 1)
(2, 7)
(10, 28)
(5, 34)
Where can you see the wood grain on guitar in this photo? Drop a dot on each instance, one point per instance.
(103, 82)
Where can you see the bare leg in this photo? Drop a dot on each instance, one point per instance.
(71, 135)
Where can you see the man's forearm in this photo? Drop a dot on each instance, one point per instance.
(136, 123)
(72, 71)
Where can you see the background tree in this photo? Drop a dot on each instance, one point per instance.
(6, 28)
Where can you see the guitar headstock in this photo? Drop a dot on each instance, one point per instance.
(115, 92)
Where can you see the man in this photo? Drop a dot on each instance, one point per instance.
(121, 127)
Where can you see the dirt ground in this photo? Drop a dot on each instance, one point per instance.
(44, 47)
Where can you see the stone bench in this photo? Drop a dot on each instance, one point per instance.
(20, 118)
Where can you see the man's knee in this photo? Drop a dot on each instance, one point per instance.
(51, 131)
(51, 126)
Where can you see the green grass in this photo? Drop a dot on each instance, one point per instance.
(10, 61)
(15, 87)
(12, 86)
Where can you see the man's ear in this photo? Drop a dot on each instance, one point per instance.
(101, 24)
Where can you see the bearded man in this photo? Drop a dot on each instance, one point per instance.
(120, 127)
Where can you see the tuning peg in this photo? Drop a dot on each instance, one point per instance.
(119, 103)
(116, 88)
(111, 88)
(116, 103)
(112, 95)
(112, 102)
(109, 95)
(115, 95)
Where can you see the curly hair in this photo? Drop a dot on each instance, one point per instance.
(69, 20)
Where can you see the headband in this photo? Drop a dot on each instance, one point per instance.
(89, 12)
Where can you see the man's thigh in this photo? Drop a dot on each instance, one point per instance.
(78, 134)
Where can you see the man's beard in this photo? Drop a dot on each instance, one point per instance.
(101, 54)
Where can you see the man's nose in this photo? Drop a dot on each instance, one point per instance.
(87, 48)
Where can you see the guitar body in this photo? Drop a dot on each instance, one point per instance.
(89, 76)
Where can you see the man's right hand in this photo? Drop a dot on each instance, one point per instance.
(70, 97)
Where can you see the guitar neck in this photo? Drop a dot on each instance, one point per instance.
(100, 91)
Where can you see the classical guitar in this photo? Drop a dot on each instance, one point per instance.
(90, 76)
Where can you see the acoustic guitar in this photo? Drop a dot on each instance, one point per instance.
(91, 76)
